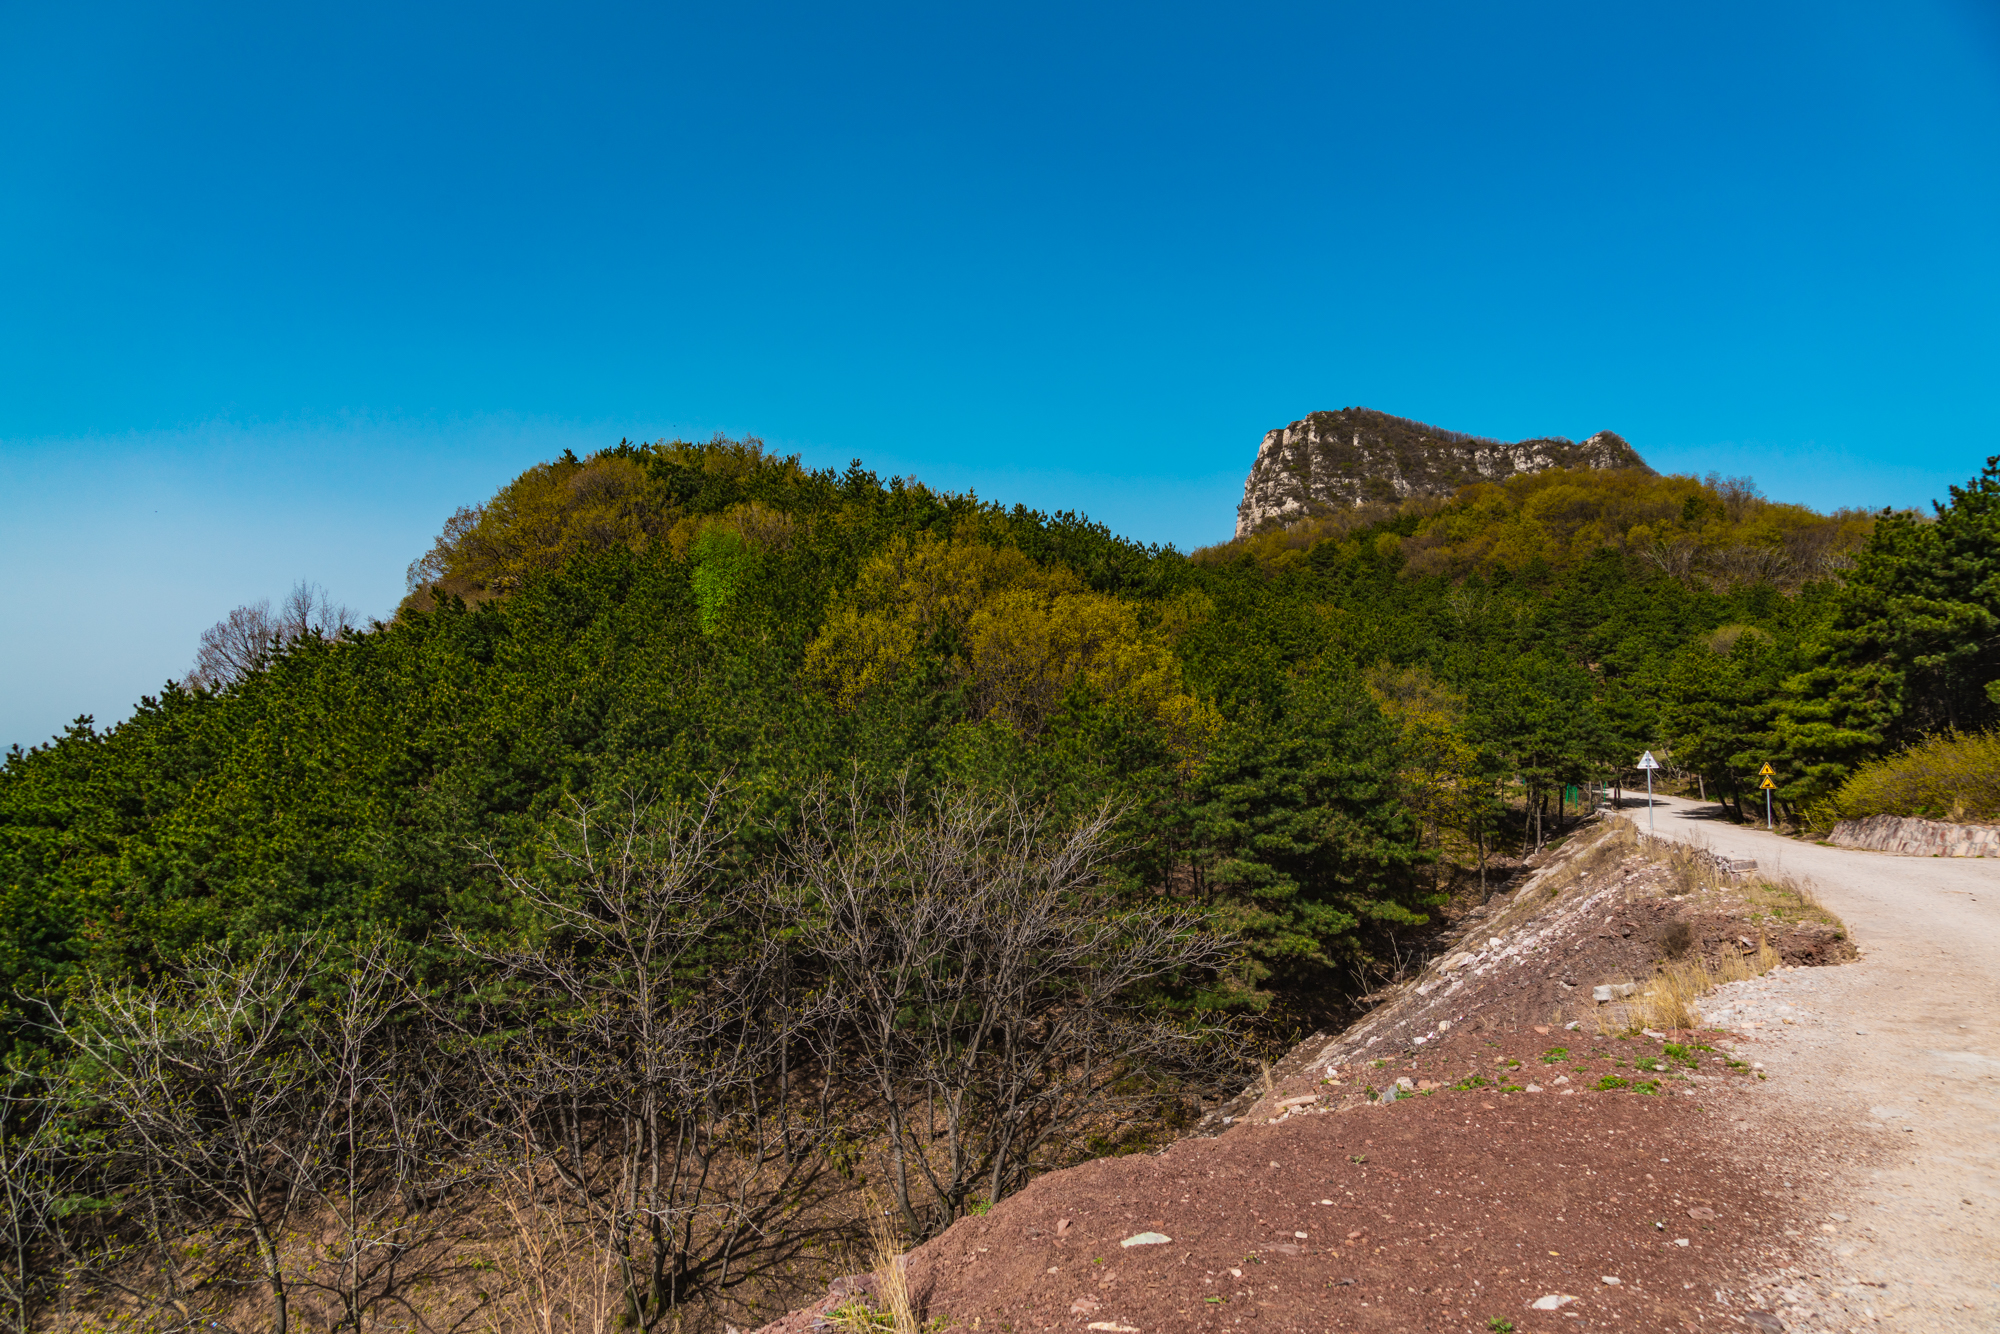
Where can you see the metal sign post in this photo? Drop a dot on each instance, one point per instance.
(1765, 773)
(1648, 763)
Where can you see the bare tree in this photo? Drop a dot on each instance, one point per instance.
(1738, 494)
(641, 1059)
(247, 638)
(996, 991)
(1749, 563)
(380, 1154)
(266, 1104)
(30, 1200)
(1822, 550)
(205, 1104)
(1674, 555)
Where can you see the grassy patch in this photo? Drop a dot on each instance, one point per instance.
(1788, 899)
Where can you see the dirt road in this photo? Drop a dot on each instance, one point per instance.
(1893, 1065)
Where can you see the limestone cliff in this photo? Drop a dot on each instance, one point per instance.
(1333, 460)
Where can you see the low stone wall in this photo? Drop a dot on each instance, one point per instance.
(1917, 838)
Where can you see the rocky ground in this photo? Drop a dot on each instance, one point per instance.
(1485, 1151)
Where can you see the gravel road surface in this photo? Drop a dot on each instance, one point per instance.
(1892, 1065)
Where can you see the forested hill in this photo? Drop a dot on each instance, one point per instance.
(1304, 737)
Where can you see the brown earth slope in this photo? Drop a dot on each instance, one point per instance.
(1527, 1171)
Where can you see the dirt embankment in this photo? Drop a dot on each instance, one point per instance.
(1490, 1149)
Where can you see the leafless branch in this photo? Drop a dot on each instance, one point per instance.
(992, 986)
(248, 638)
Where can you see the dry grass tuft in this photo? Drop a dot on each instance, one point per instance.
(895, 1278)
(556, 1281)
(1693, 868)
(1671, 999)
(892, 1312)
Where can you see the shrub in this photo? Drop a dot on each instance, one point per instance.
(1951, 776)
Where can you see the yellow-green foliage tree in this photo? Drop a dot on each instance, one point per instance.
(1438, 777)
(558, 511)
(1018, 636)
(543, 518)
(1718, 532)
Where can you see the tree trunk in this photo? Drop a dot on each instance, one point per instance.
(267, 1251)
(900, 1172)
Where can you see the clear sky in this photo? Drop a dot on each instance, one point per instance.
(282, 285)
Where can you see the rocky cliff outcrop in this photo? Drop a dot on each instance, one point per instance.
(1334, 460)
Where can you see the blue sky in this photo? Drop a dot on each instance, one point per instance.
(282, 285)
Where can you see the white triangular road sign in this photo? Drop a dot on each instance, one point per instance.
(1647, 761)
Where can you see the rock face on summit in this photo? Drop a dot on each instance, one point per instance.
(1335, 460)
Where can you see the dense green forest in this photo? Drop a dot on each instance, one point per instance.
(1253, 775)
(1295, 726)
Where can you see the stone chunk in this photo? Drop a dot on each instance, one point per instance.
(1146, 1239)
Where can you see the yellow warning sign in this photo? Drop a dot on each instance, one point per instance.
(1767, 770)
(1766, 783)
